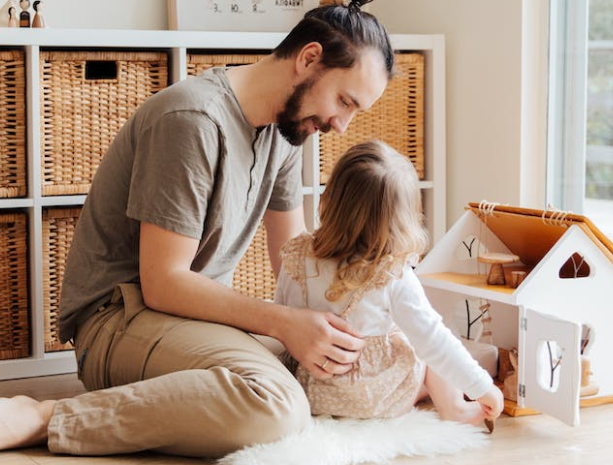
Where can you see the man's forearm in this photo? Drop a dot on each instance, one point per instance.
(192, 295)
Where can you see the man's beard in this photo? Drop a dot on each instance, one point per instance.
(295, 131)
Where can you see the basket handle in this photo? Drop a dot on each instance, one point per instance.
(99, 70)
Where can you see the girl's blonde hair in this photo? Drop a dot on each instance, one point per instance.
(370, 216)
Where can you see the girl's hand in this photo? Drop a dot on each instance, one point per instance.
(492, 403)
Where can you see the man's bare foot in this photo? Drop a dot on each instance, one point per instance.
(24, 421)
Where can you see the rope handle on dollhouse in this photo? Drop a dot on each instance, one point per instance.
(487, 208)
(551, 216)
(556, 217)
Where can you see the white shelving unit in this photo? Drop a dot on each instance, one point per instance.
(178, 44)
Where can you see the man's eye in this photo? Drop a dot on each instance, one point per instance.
(344, 102)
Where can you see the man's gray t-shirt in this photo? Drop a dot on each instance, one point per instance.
(189, 162)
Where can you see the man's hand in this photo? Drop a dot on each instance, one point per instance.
(322, 342)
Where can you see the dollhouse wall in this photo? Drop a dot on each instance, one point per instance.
(584, 300)
(451, 254)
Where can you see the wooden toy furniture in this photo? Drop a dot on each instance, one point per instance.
(497, 260)
(559, 315)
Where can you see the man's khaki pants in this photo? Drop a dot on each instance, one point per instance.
(183, 387)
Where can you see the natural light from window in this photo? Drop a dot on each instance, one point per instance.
(580, 110)
(598, 204)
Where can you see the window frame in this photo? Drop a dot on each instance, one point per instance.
(567, 105)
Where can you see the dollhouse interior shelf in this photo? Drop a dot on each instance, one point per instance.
(469, 284)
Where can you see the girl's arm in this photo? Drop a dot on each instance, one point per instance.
(433, 342)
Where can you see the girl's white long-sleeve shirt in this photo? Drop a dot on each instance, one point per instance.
(402, 303)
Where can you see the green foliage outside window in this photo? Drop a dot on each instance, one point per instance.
(599, 166)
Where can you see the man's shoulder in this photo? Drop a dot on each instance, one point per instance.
(206, 92)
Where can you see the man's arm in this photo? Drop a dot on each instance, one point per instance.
(280, 228)
(168, 285)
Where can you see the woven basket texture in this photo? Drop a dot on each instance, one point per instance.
(397, 118)
(81, 113)
(253, 275)
(58, 231)
(198, 63)
(14, 322)
(12, 124)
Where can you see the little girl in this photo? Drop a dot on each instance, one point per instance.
(358, 265)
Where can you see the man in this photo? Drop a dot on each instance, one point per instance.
(160, 338)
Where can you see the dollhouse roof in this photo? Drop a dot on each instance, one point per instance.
(532, 233)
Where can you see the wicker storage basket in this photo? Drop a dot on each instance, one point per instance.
(58, 230)
(85, 99)
(12, 124)
(14, 325)
(253, 275)
(198, 63)
(397, 118)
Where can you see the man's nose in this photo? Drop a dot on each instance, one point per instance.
(340, 123)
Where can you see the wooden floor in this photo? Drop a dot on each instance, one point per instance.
(536, 439)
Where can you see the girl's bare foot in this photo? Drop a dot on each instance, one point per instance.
(24, 421)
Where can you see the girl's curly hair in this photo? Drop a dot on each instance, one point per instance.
(370, 216)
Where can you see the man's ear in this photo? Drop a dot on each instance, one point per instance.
(308, 57)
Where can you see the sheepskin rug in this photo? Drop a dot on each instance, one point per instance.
(329, 441)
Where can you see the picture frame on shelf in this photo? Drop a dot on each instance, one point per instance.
(237, 15)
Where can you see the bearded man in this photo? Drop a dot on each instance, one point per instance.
(162, 341)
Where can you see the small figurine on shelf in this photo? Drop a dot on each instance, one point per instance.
(39, 19)
(24, 16)
(13, 22)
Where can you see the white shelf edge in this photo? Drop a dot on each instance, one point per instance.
(62, 200)
(16, 203)
(467, 290)
(51, 37)
(417, 41)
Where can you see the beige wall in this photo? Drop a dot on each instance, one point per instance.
(483, 61)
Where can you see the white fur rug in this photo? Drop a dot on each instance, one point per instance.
(348, 442)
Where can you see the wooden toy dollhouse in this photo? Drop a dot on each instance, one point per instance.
(551, 301)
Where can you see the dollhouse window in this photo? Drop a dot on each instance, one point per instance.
(575, 267)
(549, 365)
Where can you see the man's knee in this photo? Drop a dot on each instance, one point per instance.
(279, 416)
